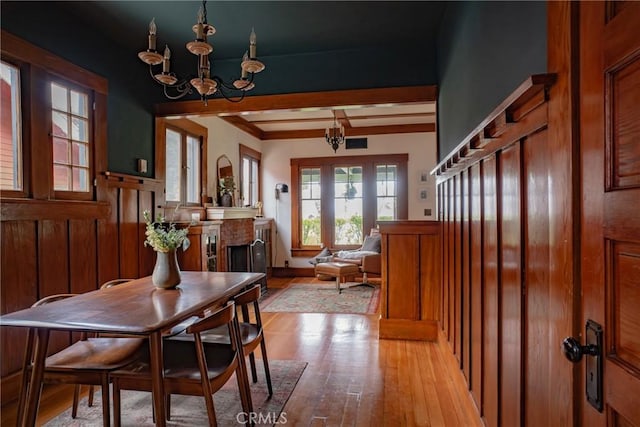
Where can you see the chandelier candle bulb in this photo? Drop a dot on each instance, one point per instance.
(167, 56)
(252, 44)
(152, 35)
(200, 30)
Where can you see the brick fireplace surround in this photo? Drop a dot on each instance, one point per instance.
(233, 232)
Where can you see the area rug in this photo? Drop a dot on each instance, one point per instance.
(324, 298)
(191, 411)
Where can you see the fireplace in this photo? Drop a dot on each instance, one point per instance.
(238, 258)
(233, 246)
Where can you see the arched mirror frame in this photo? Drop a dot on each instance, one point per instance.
(224, 169)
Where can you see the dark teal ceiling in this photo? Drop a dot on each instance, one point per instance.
(283, 27)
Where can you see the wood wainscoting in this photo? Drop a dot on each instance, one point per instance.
(52, 246)
(502, 246)
(509, 203)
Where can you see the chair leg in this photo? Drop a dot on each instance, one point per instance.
(116, 404)
(26, 375)
(90, 398)
(106, 407)
(265, 360)
(245, 392)
(167, 404)
(252, 362)
(76, 398)
(211, 412)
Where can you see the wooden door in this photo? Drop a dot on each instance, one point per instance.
(610, 157)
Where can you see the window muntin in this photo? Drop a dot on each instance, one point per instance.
(348, 205)
(71, 138)
(386, 192)
(11, 171)
(310, 204)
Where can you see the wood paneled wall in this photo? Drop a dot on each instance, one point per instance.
(51, 247)
(498, 258)
(410, 292)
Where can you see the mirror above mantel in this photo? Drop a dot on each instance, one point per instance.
(225, 182)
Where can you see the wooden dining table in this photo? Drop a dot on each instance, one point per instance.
(135, 308)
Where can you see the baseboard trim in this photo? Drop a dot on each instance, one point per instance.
(292, 272)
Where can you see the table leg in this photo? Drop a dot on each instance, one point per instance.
(157, 377)
(33, 398)
(338, 277)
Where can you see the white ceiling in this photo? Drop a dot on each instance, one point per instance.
(377, 119)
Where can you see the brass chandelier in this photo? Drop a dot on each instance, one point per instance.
(204, 82)
(335, 135)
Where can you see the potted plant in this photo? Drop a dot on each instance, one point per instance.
(165, 239)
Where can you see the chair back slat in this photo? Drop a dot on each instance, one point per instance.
(114, 282)
(218, 318)
(248, 296)
(52, 298)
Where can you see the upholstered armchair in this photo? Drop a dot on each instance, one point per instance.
(367, 257)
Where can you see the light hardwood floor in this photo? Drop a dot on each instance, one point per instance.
(352, 378)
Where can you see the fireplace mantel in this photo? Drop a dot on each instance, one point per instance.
(231, 213)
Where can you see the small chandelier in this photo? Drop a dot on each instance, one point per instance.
(335, 135)
(206, 84)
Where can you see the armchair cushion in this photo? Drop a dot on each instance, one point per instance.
(372, 243)
(353, 254)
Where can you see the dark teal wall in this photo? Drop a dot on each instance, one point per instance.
(54, 27)
(485, 50)
(130, 100)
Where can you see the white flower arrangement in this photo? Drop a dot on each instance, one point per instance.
(162, 237)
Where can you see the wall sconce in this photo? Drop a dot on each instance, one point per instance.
(281, 188)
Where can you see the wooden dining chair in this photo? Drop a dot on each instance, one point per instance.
(87, 361)
(251, 331)
(191, 367)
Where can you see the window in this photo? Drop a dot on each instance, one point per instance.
(310, 204)
(182, 164)
(10, 129)
(337, 200)
(70, 138)
(250, 176)
(348, 205)
(387, 192)
(52, 144)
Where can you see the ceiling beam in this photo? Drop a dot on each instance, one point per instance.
(359, 131)
(306, 100)
(244, 125)
(351, 118)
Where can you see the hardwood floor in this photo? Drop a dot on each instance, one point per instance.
(352, 378)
